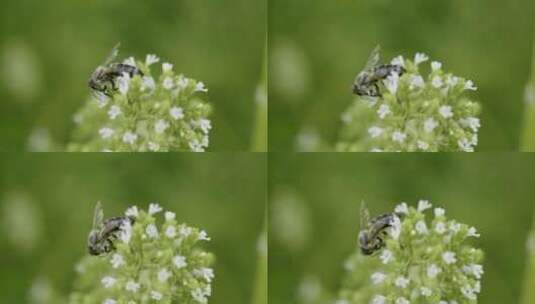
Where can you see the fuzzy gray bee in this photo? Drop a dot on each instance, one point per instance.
(366, 82)
(373, 232)
(104, 232)
(102, 80)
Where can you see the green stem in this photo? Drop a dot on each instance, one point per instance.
(529, 292)
(260, 292)
(528, 135)
(259, 138)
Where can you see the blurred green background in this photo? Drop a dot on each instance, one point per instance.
(314, 206)
(317, 47)
(47, 202)
(48, 49)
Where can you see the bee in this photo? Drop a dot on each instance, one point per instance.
(104, 232)
(366, 82)
(102, 80)
(373, 232)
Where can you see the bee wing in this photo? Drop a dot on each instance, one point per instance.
(98, 217)
(113, 54)
(364, 215)
(373, 60)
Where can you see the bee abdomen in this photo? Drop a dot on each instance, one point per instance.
(385, 70)
(120, 68)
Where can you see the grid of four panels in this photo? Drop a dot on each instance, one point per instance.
(255, 85)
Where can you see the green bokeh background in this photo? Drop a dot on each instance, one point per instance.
(493, 192)
(317, 47)
(53, 46)
(221, 193)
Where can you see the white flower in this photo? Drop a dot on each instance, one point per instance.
(473, 232)
(155, 295)
(167, 67)
(203, 236)
(435, 65)
(419, 58)
(422, 145)
(468, 292)
(160, 126)
(402, 300)
(378, 299)
(199, 87)
(183, 82)
(378, 277)
(153, 146)
(151, 59)
(445, 111)
(440, 228)
(395, 230)
(423, 205)
(437, 81)
(391, 83)
(386, 256)
(170, 232)
(452, 81)
(108, 281)
(109, 301)
(152, 231)
(383, 111)
(132, 211)
(206, 273)
(465, 144)
(132, 286)
(469, 85)
(124, 83)
(105, 132)
(439, 212)
(425, 291)
(148, 83)
(471, 122)
(433, 270)
(199, 296)
(474, 269)
(180, 261)
(398, 61)
(417, 81)
(154, 208)
(169, 216)
(399, 136)
(126, 232)
(421, 227)
(117, 260)
(176, 113)
(455, 227)
(205, 125)
(402, 208)
(114, 112)
(129, 138)
(163, 275)
(168, 83)
(375, 131)
(130, 61)
(401, 282)
(430, 124)
(449, 257)
(185, 231)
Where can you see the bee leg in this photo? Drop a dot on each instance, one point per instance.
(377, 93)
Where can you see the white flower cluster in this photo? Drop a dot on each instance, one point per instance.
(413, 113)
(423, 262)
(156, 262)
(146, 114)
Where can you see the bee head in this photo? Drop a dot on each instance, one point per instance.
(93, 244)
